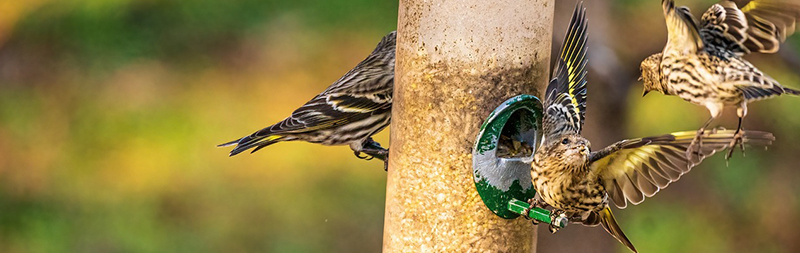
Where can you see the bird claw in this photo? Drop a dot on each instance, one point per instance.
(696, 145)
(365, 157)
(533, 203)
(373, 150)
(737, 141)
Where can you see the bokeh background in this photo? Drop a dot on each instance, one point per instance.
(110, 111)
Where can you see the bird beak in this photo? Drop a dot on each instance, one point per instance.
(644, 93)
(640, 79)
(584, 147)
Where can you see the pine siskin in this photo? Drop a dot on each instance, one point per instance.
(702, 62)
(576, 182)
(348, 112)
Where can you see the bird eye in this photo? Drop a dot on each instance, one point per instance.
(565, 141)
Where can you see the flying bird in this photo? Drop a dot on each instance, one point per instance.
(702, 61)
(577, 182)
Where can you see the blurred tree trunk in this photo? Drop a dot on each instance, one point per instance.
(456, 62)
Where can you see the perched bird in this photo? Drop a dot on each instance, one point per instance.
(577, 182)
(702, 62)
(348, 112)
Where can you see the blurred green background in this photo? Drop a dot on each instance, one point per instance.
(110, 111)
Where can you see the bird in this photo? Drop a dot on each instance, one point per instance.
(702, 60)
(576, 182)
(348, 112)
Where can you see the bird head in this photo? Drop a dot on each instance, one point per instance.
(574, 149)
(650, 73)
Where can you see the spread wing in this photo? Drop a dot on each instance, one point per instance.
(759, 26)
(634, 169)
(566, 94)
(682, 34)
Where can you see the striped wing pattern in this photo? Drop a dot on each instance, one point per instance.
(566, 94)
(753, 84)
(364, 89)
(759, 26)
(634, 169)
(351, 109)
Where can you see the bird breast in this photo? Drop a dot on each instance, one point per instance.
(567, 188)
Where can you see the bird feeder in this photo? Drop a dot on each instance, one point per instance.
(501, 160)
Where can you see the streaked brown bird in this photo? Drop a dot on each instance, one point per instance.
(702, 61)
(576, 182)
(348, 112)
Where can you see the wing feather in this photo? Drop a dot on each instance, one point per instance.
(646, 181)
(632, 170)
(759, 26)
(683, 36)
(364, 90)
(754, 84)
(565, 98)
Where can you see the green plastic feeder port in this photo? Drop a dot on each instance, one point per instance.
(502, 155)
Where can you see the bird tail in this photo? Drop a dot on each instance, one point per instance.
(791, 91)
(251, 141)
(610, 224)
(755, 93)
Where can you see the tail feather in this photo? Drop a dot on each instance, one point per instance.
(610, 224)
(250, 141)
(267, 142)
(227, 144)
(755, 93)
(791, 91)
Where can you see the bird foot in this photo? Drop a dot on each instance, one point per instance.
(533, 203)
(374, 150)
(696, 145)
(371, 149)
(737, 141)
(365, 157)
